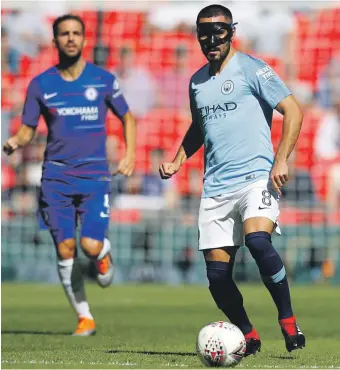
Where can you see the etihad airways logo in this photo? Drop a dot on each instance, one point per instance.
(86, 113)
(216, 111)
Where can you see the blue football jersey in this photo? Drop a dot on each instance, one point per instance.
(234, 111)
(75, 114)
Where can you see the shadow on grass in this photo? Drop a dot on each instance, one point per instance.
(33, 332)
(283, 357)
(153, 353)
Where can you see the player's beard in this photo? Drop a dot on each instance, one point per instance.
(66, 61)
(224, 50)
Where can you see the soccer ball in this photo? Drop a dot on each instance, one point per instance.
(220, 344)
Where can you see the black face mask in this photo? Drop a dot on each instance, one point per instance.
(212, 31)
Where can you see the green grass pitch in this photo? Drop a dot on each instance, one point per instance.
(154, 326)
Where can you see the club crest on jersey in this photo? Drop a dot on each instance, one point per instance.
(227, 87)
(91, 93)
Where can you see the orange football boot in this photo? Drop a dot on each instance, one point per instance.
(85, 328)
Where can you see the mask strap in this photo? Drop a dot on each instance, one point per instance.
(232, 28)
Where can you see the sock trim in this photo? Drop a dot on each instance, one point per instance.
(288, 320)
(258, 234)
(252, 334)
(276, 278)
(217, 265)
(65, 263)
(289, 325)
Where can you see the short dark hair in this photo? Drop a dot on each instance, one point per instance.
(66, 17)
(213, 11)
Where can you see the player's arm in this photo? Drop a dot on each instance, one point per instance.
(126, 165)
(117, 104)
(266, 84)
(23, 137)
(292, 122)
(192, 142)
(30, 118)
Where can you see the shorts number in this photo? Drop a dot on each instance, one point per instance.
(266, 198)
(107, 204)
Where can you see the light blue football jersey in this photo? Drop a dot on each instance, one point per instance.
(234, 111)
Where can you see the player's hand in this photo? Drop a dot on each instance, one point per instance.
(168, 169)
(11, 145)
(126, 166)
(279, 175)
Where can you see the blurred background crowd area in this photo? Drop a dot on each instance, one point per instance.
(152, 49)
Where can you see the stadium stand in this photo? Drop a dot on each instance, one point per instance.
(162, 125)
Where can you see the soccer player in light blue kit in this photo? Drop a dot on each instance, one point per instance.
(232, 100)
(73, 97)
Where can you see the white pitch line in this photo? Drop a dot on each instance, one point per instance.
(67, 363)
(85, 363)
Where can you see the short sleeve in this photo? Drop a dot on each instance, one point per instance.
(32, 107)
(115, 99)
(265, 83)
(192, 105)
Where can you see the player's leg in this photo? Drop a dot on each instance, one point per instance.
(100, 252)
(94, 209)
(58, 213)
(228, 298)
(259, 210)
(72, 280)
(220, 226)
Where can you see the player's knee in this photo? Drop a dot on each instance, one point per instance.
(219, 254)
(66, 249)
(259, 244)
(266, 257)
(217, 272)
(91, 247)
(220, 278)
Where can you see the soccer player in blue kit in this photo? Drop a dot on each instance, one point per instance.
(73, 97)
(232, 99)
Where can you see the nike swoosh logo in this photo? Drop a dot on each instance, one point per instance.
(264, 207)
(104, 215)
(49, 96)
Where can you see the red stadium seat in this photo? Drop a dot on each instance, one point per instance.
(45, 60)
(21, 84)
(113, 57)
(320, 173)
(318, 40)
(305, 156)
(161, 128)
(8, 177)
(7, 81)
(121, 25)
(90, 19)
(296, 216)
(304, 150)
(125, 216)
(25, 65)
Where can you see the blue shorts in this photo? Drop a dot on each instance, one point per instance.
(62, 203)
